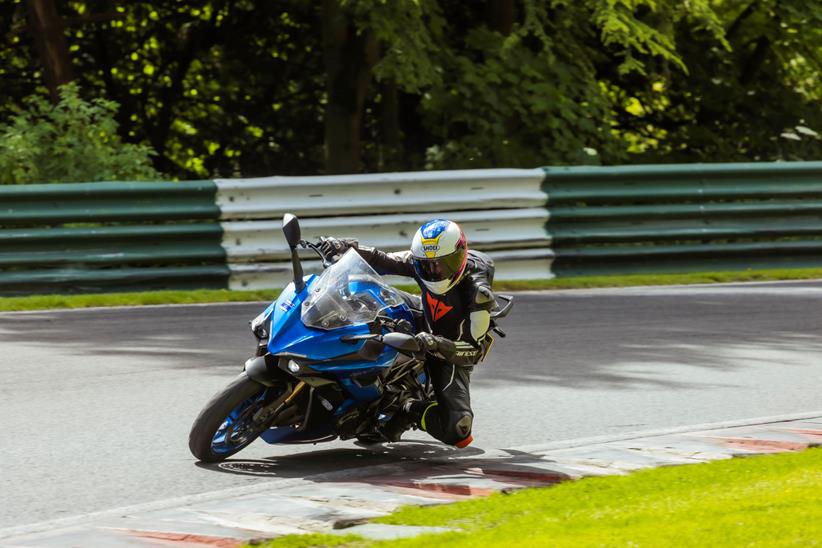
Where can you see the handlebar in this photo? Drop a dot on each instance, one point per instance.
(402, 342)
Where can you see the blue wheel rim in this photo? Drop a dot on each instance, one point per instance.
(238, 429)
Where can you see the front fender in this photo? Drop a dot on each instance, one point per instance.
(264, 370)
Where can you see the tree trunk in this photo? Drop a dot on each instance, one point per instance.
(349, 57)
(737, 23)
(47, 28)
(500, 15)
(754, 62)
(390, 146)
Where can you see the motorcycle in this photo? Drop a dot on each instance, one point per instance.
(336, 357)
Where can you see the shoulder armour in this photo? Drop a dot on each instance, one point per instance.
(479, 294)
(483, 294)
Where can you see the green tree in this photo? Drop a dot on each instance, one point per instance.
(242, 88)
(523, 83)
(72, 141)
(218, 88)
(750, 92)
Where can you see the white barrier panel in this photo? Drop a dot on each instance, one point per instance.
(518, 264)
(251, 241)
(341, 195)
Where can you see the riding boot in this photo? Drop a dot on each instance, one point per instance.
(407, 417)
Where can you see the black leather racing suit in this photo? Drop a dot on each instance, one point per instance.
(460, 319)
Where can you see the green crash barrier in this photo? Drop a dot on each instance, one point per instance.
(101, 202)
(685, 211)
(684, 218)
(112, 245)
(83, 279)
(91, 237)
(731, 230)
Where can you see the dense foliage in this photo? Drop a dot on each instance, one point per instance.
(72, 141)
(237, 87)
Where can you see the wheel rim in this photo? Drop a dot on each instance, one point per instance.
(239, 429)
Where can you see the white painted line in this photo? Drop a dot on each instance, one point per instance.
(73, 521)
(565, 444)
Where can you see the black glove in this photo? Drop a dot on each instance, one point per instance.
(334, 246)
(427, 341)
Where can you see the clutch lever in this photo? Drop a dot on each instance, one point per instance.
(316, 249)
(400, 326)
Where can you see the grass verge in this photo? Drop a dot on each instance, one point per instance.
(759, 501)
(43, 302)
(583, 282)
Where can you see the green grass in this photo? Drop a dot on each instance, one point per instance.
(582, 282)
(773, 500)
(41, 302)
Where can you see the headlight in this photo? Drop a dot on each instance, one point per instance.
(293, 366)
(258, 326)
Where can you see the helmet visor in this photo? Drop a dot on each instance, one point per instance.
(440, 268)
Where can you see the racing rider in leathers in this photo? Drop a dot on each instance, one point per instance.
(456, 300)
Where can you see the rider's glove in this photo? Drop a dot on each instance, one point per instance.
(335, 246)
(427, 341)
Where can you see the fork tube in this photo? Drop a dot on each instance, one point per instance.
(294, 393)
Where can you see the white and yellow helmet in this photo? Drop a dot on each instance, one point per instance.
(440, 252)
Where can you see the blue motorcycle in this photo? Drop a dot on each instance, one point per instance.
(336, 356)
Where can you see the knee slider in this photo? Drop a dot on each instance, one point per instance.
(459, 428)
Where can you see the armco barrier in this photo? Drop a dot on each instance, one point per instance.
(502, 212)
(90, 237)
(212, 234)
(679, 218)
(226, 233)
(515, 238)
(414, 192)
(99, 202)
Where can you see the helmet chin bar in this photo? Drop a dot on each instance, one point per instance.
(443, 286)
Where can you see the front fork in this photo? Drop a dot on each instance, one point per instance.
(270, 411)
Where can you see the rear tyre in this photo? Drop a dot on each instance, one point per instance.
(371, 438)
(226, 425)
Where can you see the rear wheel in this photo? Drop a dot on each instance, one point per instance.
(226, 424)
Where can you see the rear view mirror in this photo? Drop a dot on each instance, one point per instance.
(291, 229)
(401, 341)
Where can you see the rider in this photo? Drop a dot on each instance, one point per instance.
(455, 285)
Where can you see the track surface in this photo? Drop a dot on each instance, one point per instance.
(97, 404)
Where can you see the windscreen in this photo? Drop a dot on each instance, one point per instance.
(348, 293)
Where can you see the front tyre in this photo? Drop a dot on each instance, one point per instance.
(226, 423)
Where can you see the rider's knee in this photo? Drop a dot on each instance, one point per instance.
(458, 432)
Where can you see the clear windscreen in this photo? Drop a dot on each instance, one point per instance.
(349, 292)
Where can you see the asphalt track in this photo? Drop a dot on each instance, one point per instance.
(96, 404)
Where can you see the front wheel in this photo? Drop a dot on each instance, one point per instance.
(226, 423)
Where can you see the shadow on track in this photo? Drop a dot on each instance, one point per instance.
(572, 340)
(426, 467)
(625, 341)
(337, 459)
